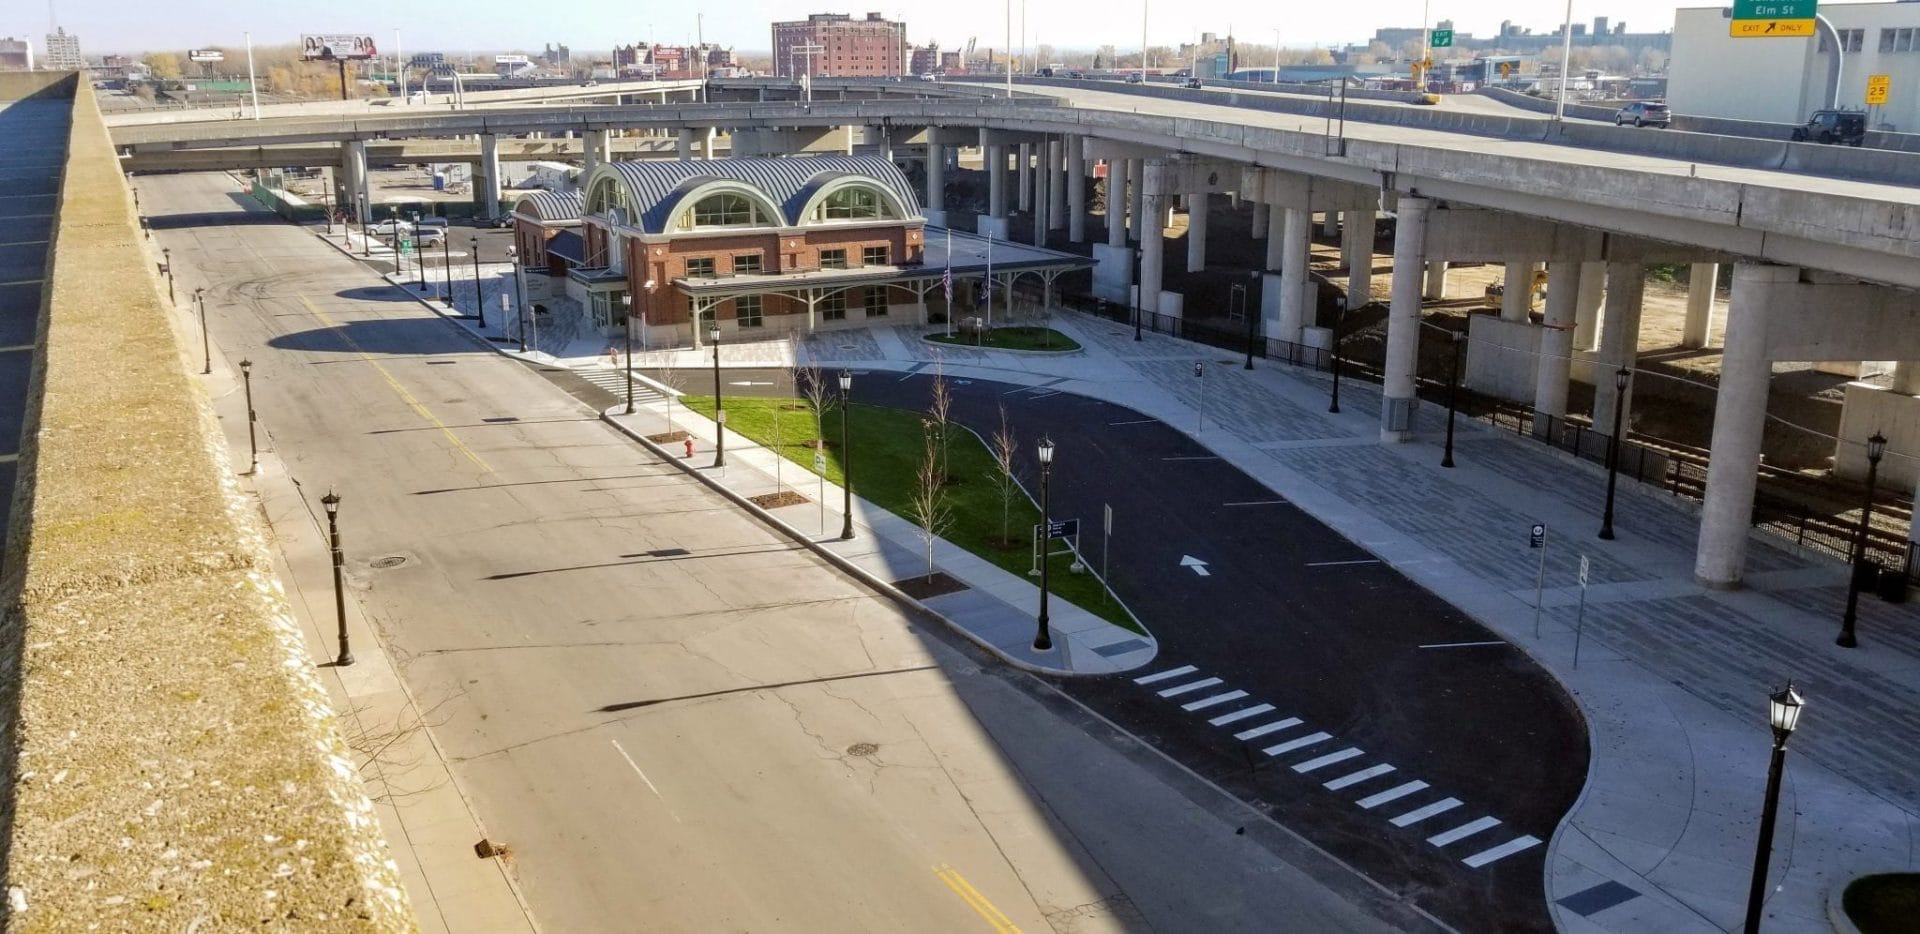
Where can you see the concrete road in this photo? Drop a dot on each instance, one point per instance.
(1241, 586)
(677, 720)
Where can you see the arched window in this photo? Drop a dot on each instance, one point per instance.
(853, 203)
(724, 210)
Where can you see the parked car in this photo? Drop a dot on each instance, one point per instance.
(1192, 83)
(1133, 77)
(388, 228)
(432, 221)
(1833, 126)
(428, 236)
(1075, 74)
(1644, 113)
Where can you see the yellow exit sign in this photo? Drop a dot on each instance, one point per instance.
(1877, 88)
(1772, 28)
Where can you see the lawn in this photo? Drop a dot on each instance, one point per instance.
(888, 449)
(1884, 903)
(1016, 338)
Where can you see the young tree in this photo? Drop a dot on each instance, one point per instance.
(673, 378)
(812, 385)
(940, 414)
(1003, 446)
(929, 499)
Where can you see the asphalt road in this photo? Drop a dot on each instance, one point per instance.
(1299, 617)
(667, 711)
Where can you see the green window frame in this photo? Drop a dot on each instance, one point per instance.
(749, 311)
(876, 301)
(747, 265)
(834, 307)
(833, 259)
(700, 267)
(876, 255)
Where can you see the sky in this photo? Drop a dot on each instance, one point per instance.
(590, 26)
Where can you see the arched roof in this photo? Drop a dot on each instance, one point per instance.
(658, 188)
(551, 206)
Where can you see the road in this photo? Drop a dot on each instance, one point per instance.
(1241, 586)
(676, 719)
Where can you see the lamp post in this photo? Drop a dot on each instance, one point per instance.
(846, 457)
(332, 502)
(166, 262)
(1333, 343)
(479, 307)
(1042, 639)
(253, 446)
(719, 410)
(626, 320)
(1620, 379)
(446, 266)
(420, 263)
(513, 289)
(1238, 294)
(1453, 396)
(1876, 448)
(206, 346)
(1139, 256)
(1784, 713)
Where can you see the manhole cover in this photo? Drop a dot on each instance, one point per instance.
(390, 561)
(863, 749)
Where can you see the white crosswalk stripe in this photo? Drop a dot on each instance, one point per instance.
(1355, 778)
(615, 382)
(1463, 831)
(1419, 814)
(1254, 711)
(1292, 744)
(1502, 851)
(1392, 794)
(1206, 702)
(1165, 675)
(1191, 686)
(1326, 760)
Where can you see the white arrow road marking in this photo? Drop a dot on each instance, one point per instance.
(1199, 567)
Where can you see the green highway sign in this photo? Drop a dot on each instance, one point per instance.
(1774, 9)
(1772, 19)
(1443, 38)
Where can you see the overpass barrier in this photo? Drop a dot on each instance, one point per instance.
(172, 763)
(1693, 123)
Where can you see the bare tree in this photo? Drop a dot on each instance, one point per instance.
(812, 386)
(671, 377)
(931, 512)
(940, 413)
(1003, 447)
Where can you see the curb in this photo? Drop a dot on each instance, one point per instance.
(1081, 348)
(884, 587)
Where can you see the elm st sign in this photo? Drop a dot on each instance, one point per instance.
(1772, 19)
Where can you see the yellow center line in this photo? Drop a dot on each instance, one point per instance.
(978, 902)
(405, 396)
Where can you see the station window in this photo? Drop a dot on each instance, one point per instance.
(874, 256)
(877, 302)
(747, 311)
(833, 259)
(834, 307)
(747, 265)
(700, 267)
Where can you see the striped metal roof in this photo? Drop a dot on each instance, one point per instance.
(656, 187)
(551, 206)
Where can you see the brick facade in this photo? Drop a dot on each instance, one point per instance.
(874, 46)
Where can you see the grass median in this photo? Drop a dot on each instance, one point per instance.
(888, 449)
(1014, 338)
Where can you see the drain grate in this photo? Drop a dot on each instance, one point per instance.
(390, 561)
(863, 749)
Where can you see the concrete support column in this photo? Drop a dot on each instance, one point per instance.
(353, 162)
(1276, 242)
(1330, 224)
(706, 145)
(1152, 245)
(488, 184)
(1117, 203)
(1197, 232)
(684, 147)
(594, 149)
(1042, 200)
(1056, 185)
(1077, 189)
(1137, 224)
(936, 177)
(996, 159)
(1593, 286)
(1259, 220)
(1026, 176)
(1700, 287)
(1517, 282)
(1556, 345)
(1435, 287)
(1619, 343)
(1739, 420)
(1906, 381)
(1403, 320)
(1356, 241)
(1293, 273)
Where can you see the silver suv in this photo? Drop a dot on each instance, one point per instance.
(1644, 113)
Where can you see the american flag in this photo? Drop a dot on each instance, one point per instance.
(946, 281)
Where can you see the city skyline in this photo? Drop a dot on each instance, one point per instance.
(493, 26)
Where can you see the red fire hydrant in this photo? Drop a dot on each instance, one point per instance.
(689, 447)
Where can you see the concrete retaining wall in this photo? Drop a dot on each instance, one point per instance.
(1691, 123)
(1867, 409)
(1502, 357)
(178, 765)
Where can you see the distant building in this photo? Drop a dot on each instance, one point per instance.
(1712, 74)
(953, 63)
(674, 62)
(428, 59)
(558, 56)
(63, 52)
(837, 45)
(16, 54)
(925, 59)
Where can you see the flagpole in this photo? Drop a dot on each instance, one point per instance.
(989, 282)
(949, 283)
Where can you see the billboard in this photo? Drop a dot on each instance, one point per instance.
(337, 46)
(206, 55)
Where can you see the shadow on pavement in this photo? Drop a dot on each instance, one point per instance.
(397, 337)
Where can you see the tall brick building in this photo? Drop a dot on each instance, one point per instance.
(841, 46)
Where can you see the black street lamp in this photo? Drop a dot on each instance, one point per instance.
(253, 445)
(366, 239)
(1140, 256)
(626, 319)
(1876, 449)
(1043, 640)
(513, 289)
(1239, 294)
(1333, 343)
(1784, 713)
(166, 263)
(206, 346)
(479, 307)
(446, 266)
(846, 457)
(1453, 396)
(1620, 379)
(332, 502)
(719, 410)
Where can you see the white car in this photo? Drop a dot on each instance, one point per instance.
(388, 228)
(428, 236)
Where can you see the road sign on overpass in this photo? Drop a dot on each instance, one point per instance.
(1442, 38)
(1772, 19)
